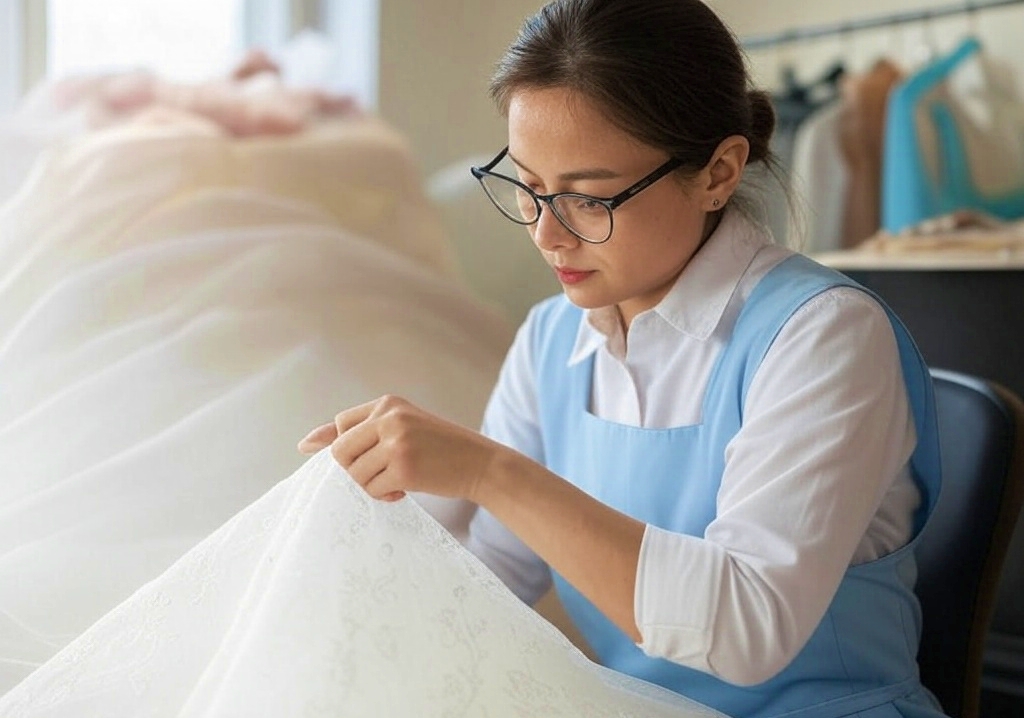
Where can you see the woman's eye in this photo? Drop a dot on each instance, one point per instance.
(585, 204)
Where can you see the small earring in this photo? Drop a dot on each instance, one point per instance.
(715, 202)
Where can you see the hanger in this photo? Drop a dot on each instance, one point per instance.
(922, 50)
(972, 19)
(930, 43)
(824, 86)
(968, 47)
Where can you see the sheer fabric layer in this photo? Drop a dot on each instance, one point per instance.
(318, 601)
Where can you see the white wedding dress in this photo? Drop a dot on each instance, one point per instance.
(319, 601)
(177, 309)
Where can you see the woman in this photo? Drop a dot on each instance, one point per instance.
(722, 451)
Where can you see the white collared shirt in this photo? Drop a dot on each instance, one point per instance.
(816, 479)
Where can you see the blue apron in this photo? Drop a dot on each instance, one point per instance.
(862, 656)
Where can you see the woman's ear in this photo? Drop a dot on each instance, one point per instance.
(725, 170)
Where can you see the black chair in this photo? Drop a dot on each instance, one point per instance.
(961, 552)
(1002, 681)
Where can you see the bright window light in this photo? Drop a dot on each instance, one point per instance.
(182, 40)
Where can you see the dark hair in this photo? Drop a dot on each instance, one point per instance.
(668, 72)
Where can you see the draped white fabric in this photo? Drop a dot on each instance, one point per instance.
(318, 601)
(176, 311)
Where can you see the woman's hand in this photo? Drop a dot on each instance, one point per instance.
(389, 446)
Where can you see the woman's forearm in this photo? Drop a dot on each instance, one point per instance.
(594, 547)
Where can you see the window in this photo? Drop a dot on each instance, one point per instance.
(11, 60)
(183, 39)
(188, 40)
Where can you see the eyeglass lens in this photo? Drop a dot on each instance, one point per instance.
(581, 214)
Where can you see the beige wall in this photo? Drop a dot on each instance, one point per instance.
(436, 55)
(999, 30)
(436, 58)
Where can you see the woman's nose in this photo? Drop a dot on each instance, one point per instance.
(550, 234)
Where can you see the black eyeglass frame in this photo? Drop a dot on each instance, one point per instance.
(610, 202)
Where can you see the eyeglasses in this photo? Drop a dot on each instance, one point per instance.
(588, 218)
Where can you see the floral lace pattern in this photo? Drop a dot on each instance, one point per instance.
(318, 601)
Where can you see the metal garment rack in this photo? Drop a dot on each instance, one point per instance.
(844, 28)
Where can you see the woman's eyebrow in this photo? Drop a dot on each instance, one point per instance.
(575, 175)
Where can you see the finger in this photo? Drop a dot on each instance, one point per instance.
(354, 416)
(368, 469)
(323, 436)
(319, 438)
(350, 446)
(384, 486)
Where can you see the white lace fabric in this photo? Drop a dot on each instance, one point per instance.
(319, 601)
(176, 311)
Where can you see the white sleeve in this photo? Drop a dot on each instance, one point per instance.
(511, 418)
(827, 429)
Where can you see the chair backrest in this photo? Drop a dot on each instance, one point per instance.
(961, 551)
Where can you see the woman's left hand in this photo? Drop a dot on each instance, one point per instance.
(389, 446)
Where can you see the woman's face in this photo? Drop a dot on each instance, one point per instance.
(560, 142)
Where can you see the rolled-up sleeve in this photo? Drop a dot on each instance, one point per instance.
(827, 431)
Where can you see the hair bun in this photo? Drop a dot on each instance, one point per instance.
(762, 125)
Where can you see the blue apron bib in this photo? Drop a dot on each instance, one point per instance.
(863, 654)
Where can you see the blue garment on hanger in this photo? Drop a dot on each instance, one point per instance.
(910, 194)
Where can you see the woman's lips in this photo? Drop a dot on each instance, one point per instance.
(571, 276)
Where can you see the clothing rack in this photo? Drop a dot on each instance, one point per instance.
(844, 28)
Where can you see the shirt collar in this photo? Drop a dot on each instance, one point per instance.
(695, 304)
